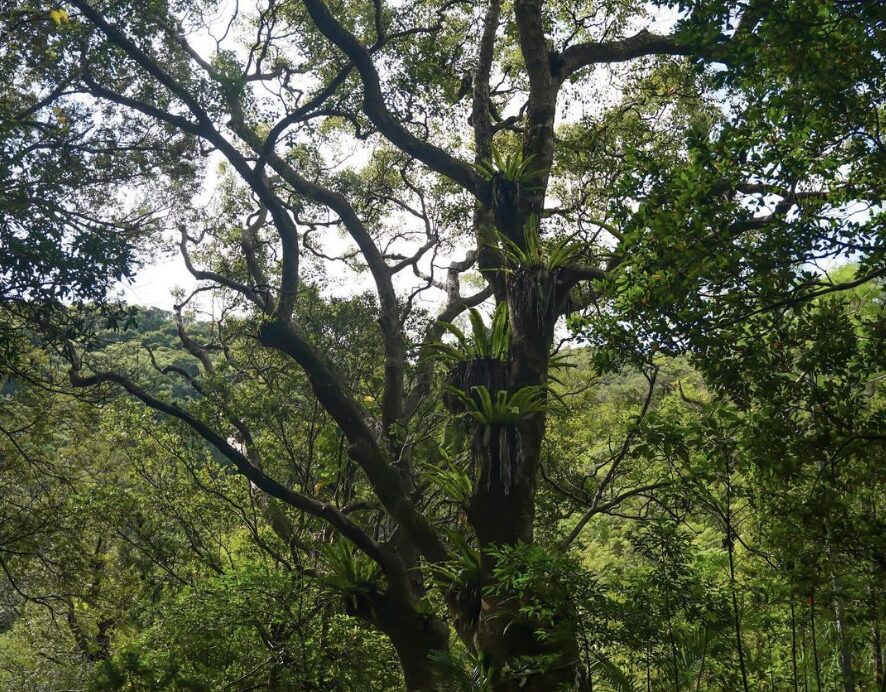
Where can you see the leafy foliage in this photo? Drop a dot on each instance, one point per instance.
(308, 477)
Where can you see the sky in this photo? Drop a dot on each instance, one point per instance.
(156, 280)
(161, 274)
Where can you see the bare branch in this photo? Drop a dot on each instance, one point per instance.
(596, 502)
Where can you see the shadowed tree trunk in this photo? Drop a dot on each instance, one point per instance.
(815, 659)
(794, 678)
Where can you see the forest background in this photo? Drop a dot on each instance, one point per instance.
(531, 346)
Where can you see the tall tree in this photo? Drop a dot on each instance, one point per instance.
(735, 152)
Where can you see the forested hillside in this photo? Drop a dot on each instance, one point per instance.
(527, 345)
(706, 540)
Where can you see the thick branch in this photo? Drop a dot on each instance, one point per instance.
(381, 273)
(364, 449)
(480, 108)
(641, 44)
(374, 104)
(322, 510)
(538, 137)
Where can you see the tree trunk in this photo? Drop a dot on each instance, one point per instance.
(502, 635)
(415, 647)
(845, 653)
(730, 548)
(794, 645)
(416, 639)
(877, 654)
(804, 657)
(502, 511)
(814, 644)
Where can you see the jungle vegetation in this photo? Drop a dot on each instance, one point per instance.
(533, 345)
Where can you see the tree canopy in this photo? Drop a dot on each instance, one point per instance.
(534, 345)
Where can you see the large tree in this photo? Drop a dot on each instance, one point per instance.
(661, 188)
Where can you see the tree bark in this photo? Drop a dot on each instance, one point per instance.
(502, 510)
(794, 645)
(845, 652)
(814, 644)
(415, 636)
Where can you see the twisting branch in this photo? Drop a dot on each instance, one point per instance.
(364, 448)
(249, 244)
(192, 346)
(207, 130)
(281, 333)
(644, 43)
(597, 505)
(381, 273)
(378, 113)
(455, 305)
(321, 510)
(481, 118)
(639, 45)
(302, 111)
(221, 279)
(181, 372)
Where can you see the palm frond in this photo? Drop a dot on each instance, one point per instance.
(609, 677)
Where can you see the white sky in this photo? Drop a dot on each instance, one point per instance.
(153, 284)
(160, 275)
